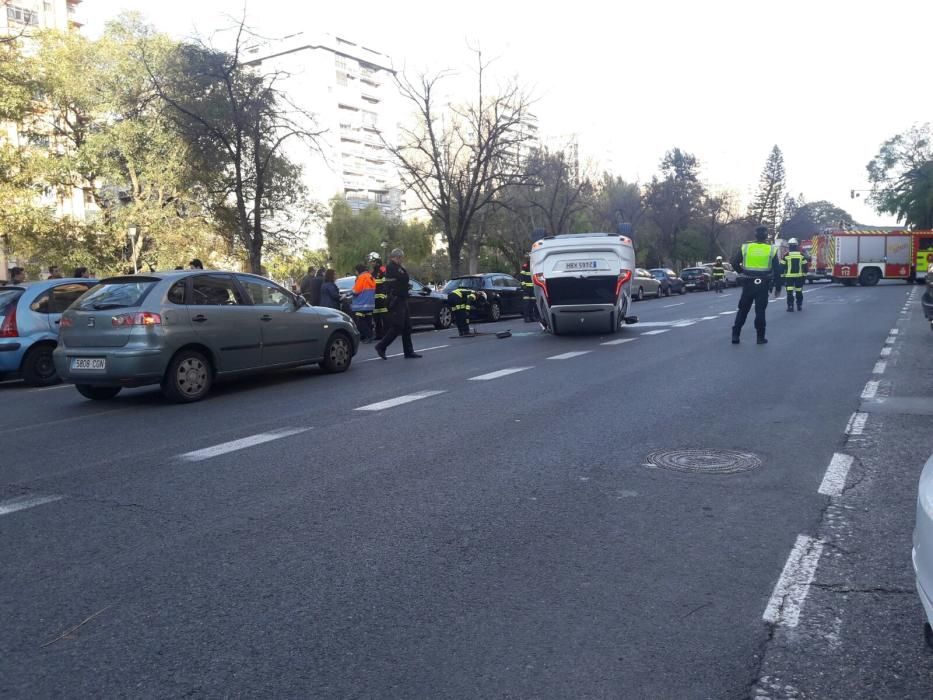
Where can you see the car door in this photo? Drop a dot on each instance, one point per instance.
(224, 321)
(288, 333)
(512, 290)
(418, 301)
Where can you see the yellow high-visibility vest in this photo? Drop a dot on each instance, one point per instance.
(756, 257)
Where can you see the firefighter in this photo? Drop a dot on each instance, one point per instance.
(380, 309)
(461, 303)
(528, 292)
(759, 267)
(719, 274)
(794, 268)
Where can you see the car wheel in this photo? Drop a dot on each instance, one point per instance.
(683, 290)
(640, 294)
(38, 369)
(97, 393)
(495, 311)
(337, 354)
(443, 318)
(668, 292)
(188, 378)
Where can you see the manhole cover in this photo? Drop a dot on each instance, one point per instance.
(704, 461)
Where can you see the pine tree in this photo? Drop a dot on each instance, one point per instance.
(768, 207)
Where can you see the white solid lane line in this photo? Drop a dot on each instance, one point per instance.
(657, 332)
(618, 341)
(570, 355)
(241, 444)
(871, 388)
(880, 367)
(671, 306)
(856, 425)
(398, 401)
(497, 374)
(399, 354)
(24, 502)
(834, 481)
(792, 588)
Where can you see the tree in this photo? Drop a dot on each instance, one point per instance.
(556, 190)
(809, 218)
(674, 200)
(458, 159)
(617, 201)
(716, 216)
(767, 209)
(901, 175)
(235, 121)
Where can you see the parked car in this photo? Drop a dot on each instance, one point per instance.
(670, 282)
(29, 318)
(186, 329)
(732, 277)
(503, 294)
(427, 307)
(926, 301)
(696, 279)
(922, 554)
(645, 285)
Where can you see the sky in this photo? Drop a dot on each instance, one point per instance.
(726, 80)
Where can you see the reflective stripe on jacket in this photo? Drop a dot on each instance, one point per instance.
(794, 263)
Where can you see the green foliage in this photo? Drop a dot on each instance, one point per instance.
(901, 175)
(674, 200)
(770, 200)
(810, 217)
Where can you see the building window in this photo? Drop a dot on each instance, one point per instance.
(22, 15)
(341, 78)
(370, 119)
(342, 63)
(47, 5)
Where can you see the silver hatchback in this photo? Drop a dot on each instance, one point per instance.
(185, 329)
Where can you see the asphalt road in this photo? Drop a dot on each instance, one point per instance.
(483, 522)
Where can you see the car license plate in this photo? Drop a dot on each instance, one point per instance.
(89, 363)
(581, 265)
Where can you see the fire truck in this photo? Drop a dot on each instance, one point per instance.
(870, 255)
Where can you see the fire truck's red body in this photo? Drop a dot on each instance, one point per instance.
(867, 256)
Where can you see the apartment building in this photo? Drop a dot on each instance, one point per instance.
(18, 17)
(350, 91)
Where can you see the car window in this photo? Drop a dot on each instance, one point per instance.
(214, 290)
(345, 284)
(460, 283)
(511, 281)
(64, 295)
(8, 297)
(176, 295)
(116, 293)
(264, 293)
(415, 285)
(657, 274)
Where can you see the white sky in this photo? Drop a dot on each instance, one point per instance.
(825, 80)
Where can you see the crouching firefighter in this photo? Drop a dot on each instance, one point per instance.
(794, 267)
(461, 304)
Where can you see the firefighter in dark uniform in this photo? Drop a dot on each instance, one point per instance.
(759, 267)
(794, 268)
(461, 303)
(397, 287)
(528, 292)
(380, 310)
(719, 274)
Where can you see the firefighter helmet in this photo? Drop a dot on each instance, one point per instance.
(793, 241)
(373, 257)
(718, 258)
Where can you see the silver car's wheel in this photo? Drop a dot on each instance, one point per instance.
(188, 377)
(640, 294)
(337, 354)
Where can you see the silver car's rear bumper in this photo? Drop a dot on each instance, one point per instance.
(125, 366)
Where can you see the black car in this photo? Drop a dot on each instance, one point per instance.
(696, 279)
(670, 282)
(503, 294)
(427, 307)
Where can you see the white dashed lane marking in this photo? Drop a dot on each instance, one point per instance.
(834, 481)
(24, 502)
(570, 355)
(790, 592)
(671, 306)
(241, 444)
(871, 388)
(890, 340)
(658, 332)
(885, 352)
(856, 424)
(398, 401)
(726, 313)
(893, 331)
(880, 367)
(619, 341)
(399, 354)
(497, 374)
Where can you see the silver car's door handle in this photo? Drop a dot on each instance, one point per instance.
(265, 317)
(199, 318)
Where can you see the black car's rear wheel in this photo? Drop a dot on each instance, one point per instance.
(495, 311)
(38, 369)
(443, 318)
(97, 393)
(338, 354)
(188, 378)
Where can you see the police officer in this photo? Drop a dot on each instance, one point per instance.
(794, 268)
(759, 268)
(528, 292)
(461, 303)
(379, 310)
(397, 286)
(719, 274)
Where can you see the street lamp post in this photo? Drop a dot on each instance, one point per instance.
(131, 232)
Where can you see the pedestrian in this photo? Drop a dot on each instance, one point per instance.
(195, 264)
(81, 273)
(330, 292)
(719, 274)
(397, 284)
(54, 273)
(528, 292)
(794, 268)
(364, 302)
(461, 304)
(17, 275)
(304, 285)
(380, 311)
(759, 267)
